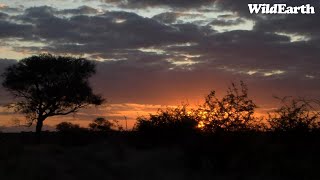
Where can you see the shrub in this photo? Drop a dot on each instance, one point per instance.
(69, 127)
(101, 124)
(295, 115)
(170, 120)
(234, 112)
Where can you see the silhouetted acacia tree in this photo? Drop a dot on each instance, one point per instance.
(48, 85)
(234, 112)
(101, 124)
(295, 115)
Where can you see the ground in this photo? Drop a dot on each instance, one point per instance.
(129, 156)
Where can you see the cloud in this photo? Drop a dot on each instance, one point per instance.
(176, 17)
(296, 24)
(222, 22)
(3, 15)
(39, 12)
(104, 32)
(122, 35)
(8, 29)
(167, 17)
(241, 7)
(80, 10)
(7, 9)
(185, 4)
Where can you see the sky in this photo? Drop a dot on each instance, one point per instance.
(156, 53)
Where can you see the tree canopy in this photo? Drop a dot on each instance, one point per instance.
(46, 85)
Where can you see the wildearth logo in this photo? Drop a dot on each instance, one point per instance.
(280, 9)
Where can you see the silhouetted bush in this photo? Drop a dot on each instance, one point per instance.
(233, 113)
(295, 115)
(170, 120)
(101, 124)
(69, 127)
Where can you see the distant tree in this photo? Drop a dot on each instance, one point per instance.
(68, 127)
(234, 112)
(101, 124)
(117, 125)
(295, 115)
(46, 85)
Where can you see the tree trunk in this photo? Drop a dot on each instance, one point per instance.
(38, 130)
(39, 126)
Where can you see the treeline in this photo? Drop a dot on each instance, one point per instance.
(233, 113)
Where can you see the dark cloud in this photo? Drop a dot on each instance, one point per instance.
(47, 11)
(254, 49)
(118, 35)
(112, 30)
(186, 4)
(80, 10)
(297, 24)
(39, 12)
(3, 15)
(8, 29)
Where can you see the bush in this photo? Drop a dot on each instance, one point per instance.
(69, 127)
(101, 124)
(170, 120)
(234, 112)
(295, 115)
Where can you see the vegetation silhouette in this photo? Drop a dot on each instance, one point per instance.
(296, 115)
(66, 127)
(170, 121)
(234, 112)
(46, 85)
(100, 124)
